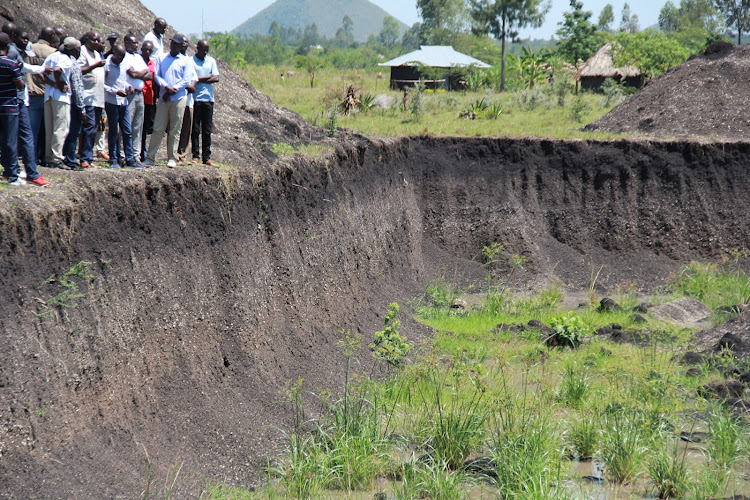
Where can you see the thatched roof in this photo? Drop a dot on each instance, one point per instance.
(601, 65)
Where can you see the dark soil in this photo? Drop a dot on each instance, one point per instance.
(707, 96)
(209, 290)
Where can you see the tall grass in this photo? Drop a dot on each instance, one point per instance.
(623, 446)
(668, 471)
(716, 284)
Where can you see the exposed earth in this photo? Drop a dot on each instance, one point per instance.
(162, 313)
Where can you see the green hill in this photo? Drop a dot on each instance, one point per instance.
(326, 14)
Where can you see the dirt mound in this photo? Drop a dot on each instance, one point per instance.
(733, 335)
(707, 96)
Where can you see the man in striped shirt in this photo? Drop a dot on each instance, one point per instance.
(11, 81)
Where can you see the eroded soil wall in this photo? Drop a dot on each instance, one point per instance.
(207, 292)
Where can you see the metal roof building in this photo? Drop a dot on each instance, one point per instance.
(405, 70)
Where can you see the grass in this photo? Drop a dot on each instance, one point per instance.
(529, 412)
(521, 114)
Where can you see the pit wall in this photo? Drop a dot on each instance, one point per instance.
(192, 297)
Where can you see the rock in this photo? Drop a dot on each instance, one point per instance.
(638, 319)
(684, 312)
(459, 304)
(383, 101)
(642, 308)
(722, 390)
(694, 372)
(729, 341)
(616, 326)
(692, 358)
(608, 305)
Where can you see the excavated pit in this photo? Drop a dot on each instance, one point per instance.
(208, 291)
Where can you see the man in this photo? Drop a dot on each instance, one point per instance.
(78, 116)
(138, 73)
(187, 117)
(46, 45)
(92, 68)
(26, 141)
(155, 36)
(57, 100)
(150, 90)
(173, 76)
(116, 91)
(203, 114)
(112, 39)
(11, 81)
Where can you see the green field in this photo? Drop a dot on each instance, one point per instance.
(532, 112)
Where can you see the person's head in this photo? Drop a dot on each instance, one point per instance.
(201, 49)
(61, 33)
(94, 41)
(48, 35)
(185, 46)
(147, 48)
(118, 53)
(4, 42)
(10, 30)
(71, 46)
(22, 38)
(131, 43)
(176, 44)
(113, 39)
(160, 25)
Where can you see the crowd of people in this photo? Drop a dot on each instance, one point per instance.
(59, 95)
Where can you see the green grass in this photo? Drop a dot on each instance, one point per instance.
(521, 114)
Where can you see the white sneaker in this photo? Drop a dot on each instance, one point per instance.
(17, 182)
(171, 163)
(22, 174)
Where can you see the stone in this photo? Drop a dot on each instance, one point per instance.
(722, 390)
(608, 305)
(683, 312)
(383, 101)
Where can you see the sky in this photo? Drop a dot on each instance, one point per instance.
(225, 15)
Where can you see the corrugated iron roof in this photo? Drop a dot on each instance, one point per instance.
(436, 56)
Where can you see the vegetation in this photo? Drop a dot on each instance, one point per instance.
(495, 412)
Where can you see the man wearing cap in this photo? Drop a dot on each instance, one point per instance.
(173, 76)
(156, 37)
(57, 100)
(112, 39)
(138, 73)
(78, 117)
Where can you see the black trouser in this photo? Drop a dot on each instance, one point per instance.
(149, 112)
(203, 125)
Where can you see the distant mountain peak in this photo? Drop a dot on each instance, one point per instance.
(326, 14)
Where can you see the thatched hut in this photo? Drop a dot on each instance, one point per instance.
(448, 67)
(601, 66)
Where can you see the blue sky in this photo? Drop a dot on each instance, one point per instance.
(224, 15)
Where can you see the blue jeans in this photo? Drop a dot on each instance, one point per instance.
(26, 143)
(70, 146)
(119, 116)
(89, 133)
(36, 117)
(9, 145)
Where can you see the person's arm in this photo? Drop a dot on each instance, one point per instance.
(33, 69)
(18, 81)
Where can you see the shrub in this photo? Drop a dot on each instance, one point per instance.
(668, 471)
(569, 329)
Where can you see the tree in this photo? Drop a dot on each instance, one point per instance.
(442, 20)
(410, 40)
(736, 13)
(651, 51)
(628, 21)
(578, 38)
(389, 34)
(345, 34)
(606, 18)
(311, 64)
(502, 18)
(669, 17)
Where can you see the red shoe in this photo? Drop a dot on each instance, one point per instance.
(103, 156)
(85, 164)
(39, 181)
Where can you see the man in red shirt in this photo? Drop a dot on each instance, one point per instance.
(150, 91)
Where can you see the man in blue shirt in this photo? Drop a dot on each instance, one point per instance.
(203, 112)
(173, 72)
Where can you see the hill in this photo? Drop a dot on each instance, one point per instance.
(326, 14)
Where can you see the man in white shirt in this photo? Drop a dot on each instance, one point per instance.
(92, 68)
(116, 92)
(173, 75)
(138, 74)
(57, 96)
(156, 37)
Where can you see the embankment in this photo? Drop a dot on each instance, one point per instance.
(207, 291)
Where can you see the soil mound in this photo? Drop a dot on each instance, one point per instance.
(733, 335)
(707, 96)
